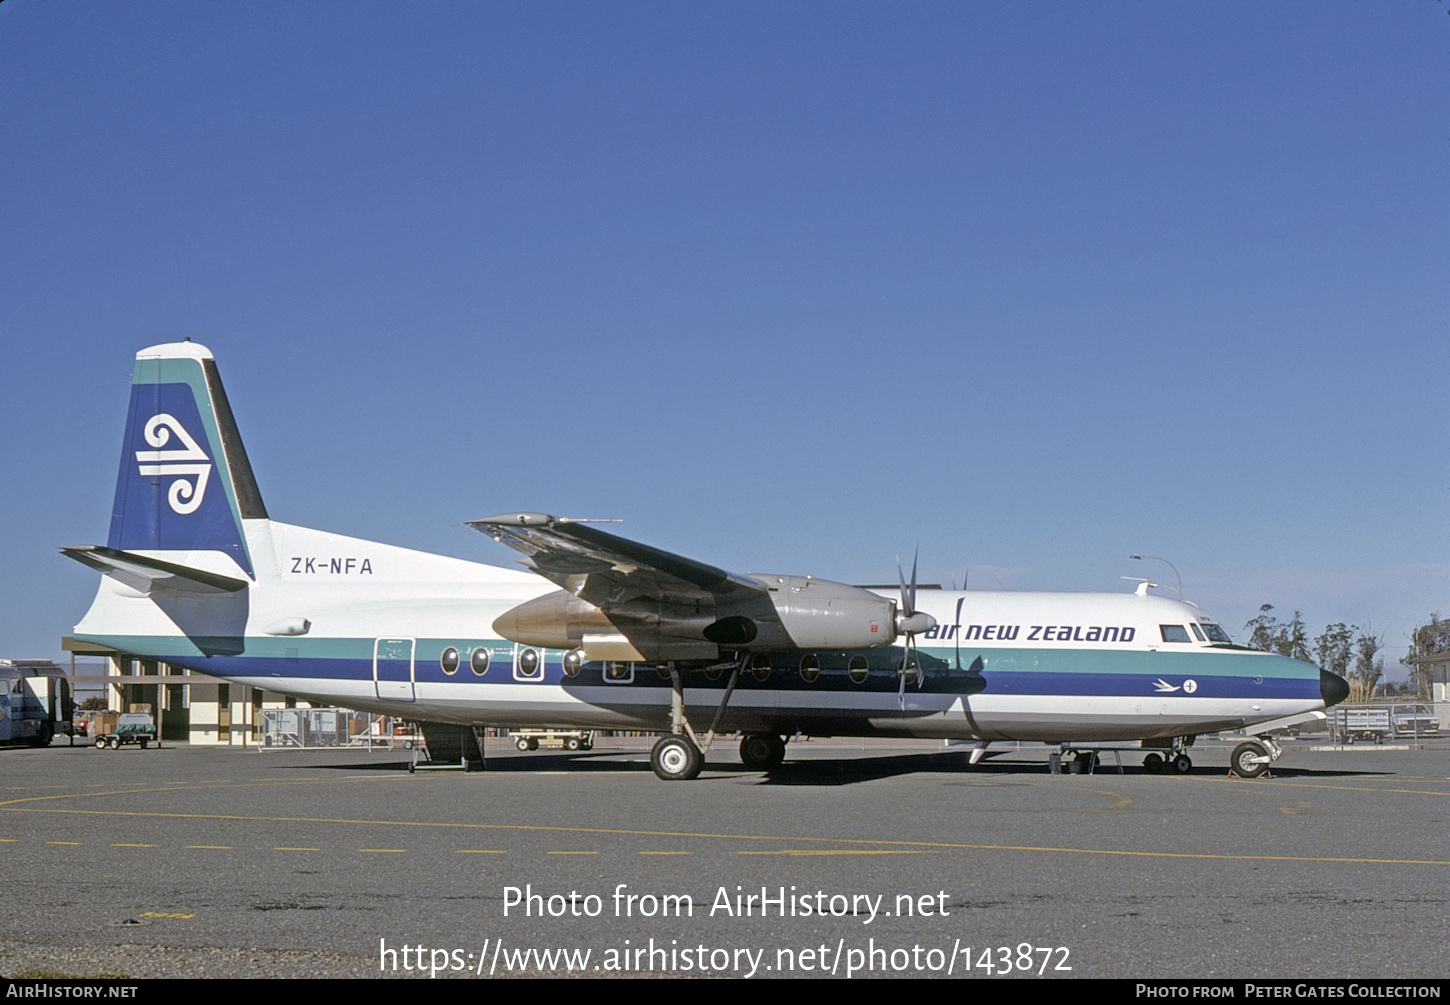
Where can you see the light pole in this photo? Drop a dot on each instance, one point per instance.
(1167, 563)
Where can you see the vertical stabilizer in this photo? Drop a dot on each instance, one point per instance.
(185, 482)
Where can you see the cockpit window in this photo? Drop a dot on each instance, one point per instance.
(1174, 633)
(1216, 634)
(1196, 633)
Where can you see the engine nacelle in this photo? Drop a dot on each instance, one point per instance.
(796, 612)
(819, 614)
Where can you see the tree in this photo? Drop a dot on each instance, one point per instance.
(1333, 648)
(1369, 666)
(92, 705)
(1287, 638)
(1432, 637)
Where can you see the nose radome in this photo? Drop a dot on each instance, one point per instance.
(1332, 687)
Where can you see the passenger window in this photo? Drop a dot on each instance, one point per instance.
(760, 666)
(478, 662)
(528, 665)
(1174, 633)
(810, 667)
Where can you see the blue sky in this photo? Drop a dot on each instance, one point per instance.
(789, 287)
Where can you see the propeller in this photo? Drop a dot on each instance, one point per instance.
(909, 623)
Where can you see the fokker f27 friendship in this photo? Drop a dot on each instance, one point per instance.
(609, 633)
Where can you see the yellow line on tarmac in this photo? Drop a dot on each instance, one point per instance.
(664, 853)
(384, 851)
(133, 846)
(212, 847)
(64, 842)
(1281, 782)
(571, 853)
(777, 838)
(836, 851)
(480, 851)
(1123, 802)
(296, 849)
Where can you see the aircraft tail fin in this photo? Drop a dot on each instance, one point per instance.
(185, 482)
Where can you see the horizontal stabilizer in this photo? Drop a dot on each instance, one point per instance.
(143, 573)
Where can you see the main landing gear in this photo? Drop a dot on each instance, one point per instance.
(762, 751)
(681, 755)
(1175, 758)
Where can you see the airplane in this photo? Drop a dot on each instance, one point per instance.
(608, 633)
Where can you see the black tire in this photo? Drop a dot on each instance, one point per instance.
(100, 743)
(44, 736)
(1152, 764)
(1243, 763)
(143, 743)
(533, 743)
(675, 758)
(522, 743)
(762, 751)
(572, 743)
(412, 767)
(1182, 764)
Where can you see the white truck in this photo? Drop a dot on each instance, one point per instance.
(36, 704)
(1413, 722)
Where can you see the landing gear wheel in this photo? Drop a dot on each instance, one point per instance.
(572, 743)
(1182, 764)
(533, 744)
(1152, 764)
(762, 751)
(675, 758)
(1245, 763)
(522, 743)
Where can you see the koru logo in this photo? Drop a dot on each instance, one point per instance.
(1190, 686)
(189, 462)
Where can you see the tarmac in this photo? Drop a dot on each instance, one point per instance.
(853, 858)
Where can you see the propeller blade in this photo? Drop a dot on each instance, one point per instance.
(913, 578)
(957, 635)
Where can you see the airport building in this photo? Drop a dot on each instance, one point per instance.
(187, 707)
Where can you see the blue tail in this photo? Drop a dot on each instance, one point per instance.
(185, 482)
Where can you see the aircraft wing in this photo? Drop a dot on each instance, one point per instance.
(605, 569)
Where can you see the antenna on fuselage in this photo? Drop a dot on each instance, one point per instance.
(1143, 584)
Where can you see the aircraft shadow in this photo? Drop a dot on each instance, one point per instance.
(815, 771)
